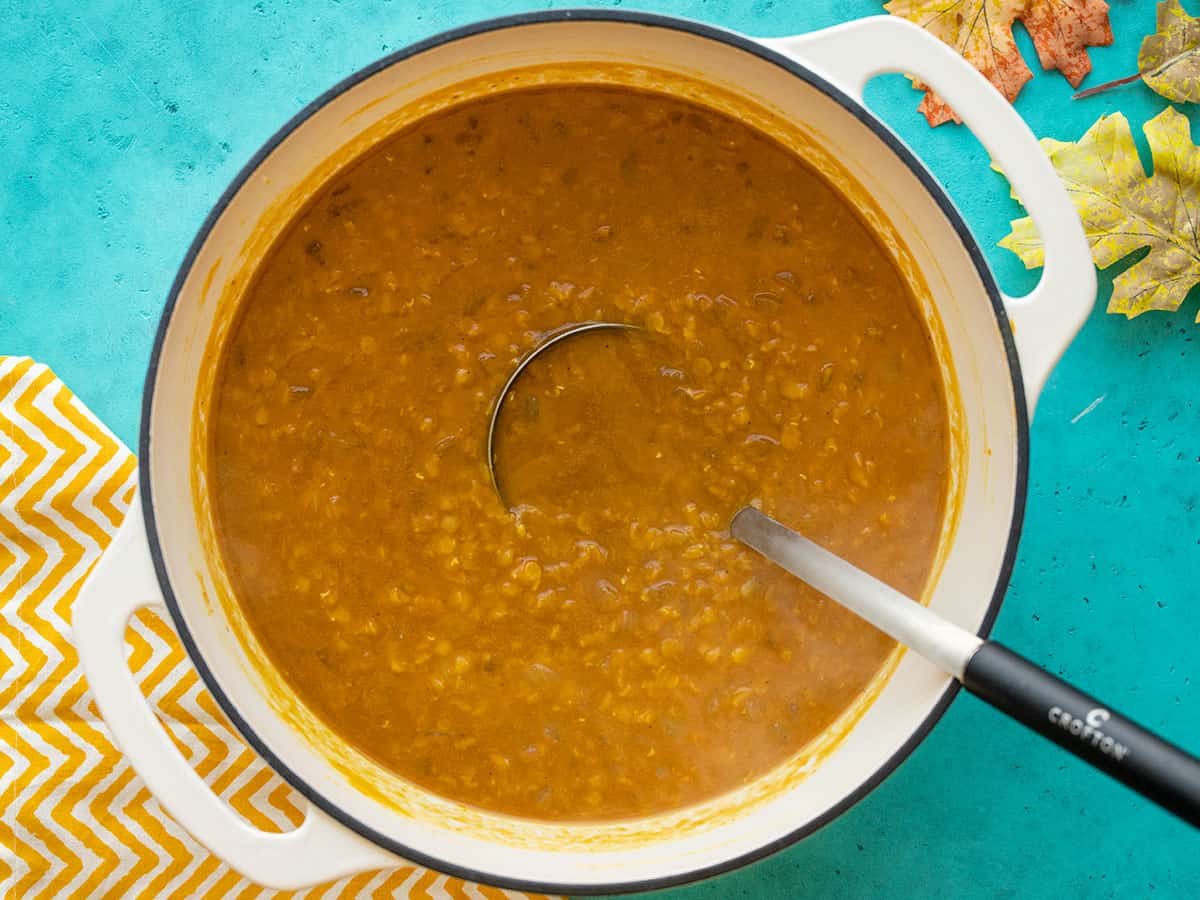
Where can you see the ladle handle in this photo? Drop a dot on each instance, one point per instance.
(1086, 727)
(1075, 721)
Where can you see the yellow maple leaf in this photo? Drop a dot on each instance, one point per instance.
(981, 30)
(1124, 210)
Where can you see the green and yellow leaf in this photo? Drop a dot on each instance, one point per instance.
(1169, 60)
(1124, 210)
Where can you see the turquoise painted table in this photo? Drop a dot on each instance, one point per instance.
(121, 122)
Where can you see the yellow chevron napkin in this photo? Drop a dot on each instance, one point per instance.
(75, 821)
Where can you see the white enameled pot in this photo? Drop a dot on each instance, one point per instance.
(360, 817)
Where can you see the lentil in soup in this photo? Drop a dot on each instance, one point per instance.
(603, 649)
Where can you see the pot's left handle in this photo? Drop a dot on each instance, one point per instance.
(319, 850)
(1045, 320)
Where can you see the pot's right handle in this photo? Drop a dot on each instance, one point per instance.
(123, 582)
(1045, 320)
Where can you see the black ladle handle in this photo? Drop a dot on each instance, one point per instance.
(1086, 727)
(1092, 731)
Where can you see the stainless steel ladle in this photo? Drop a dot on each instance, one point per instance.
(1095, 733)
(556, 338)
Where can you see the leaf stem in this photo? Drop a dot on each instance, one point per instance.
(1107, 86)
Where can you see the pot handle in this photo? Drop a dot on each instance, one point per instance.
(1045, 320)
(123, 582)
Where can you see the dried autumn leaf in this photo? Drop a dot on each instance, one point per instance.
(1169, 60)
(981, 30)
(1124, 210)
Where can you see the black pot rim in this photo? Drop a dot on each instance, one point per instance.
(648, 20)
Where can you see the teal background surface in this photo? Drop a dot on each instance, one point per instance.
(122, 122)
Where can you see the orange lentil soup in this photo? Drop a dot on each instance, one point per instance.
(597, 646)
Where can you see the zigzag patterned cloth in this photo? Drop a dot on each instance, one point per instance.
(76, 821)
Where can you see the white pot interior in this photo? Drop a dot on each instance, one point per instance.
(499, 848)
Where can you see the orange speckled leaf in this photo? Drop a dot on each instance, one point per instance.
(981, 30)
